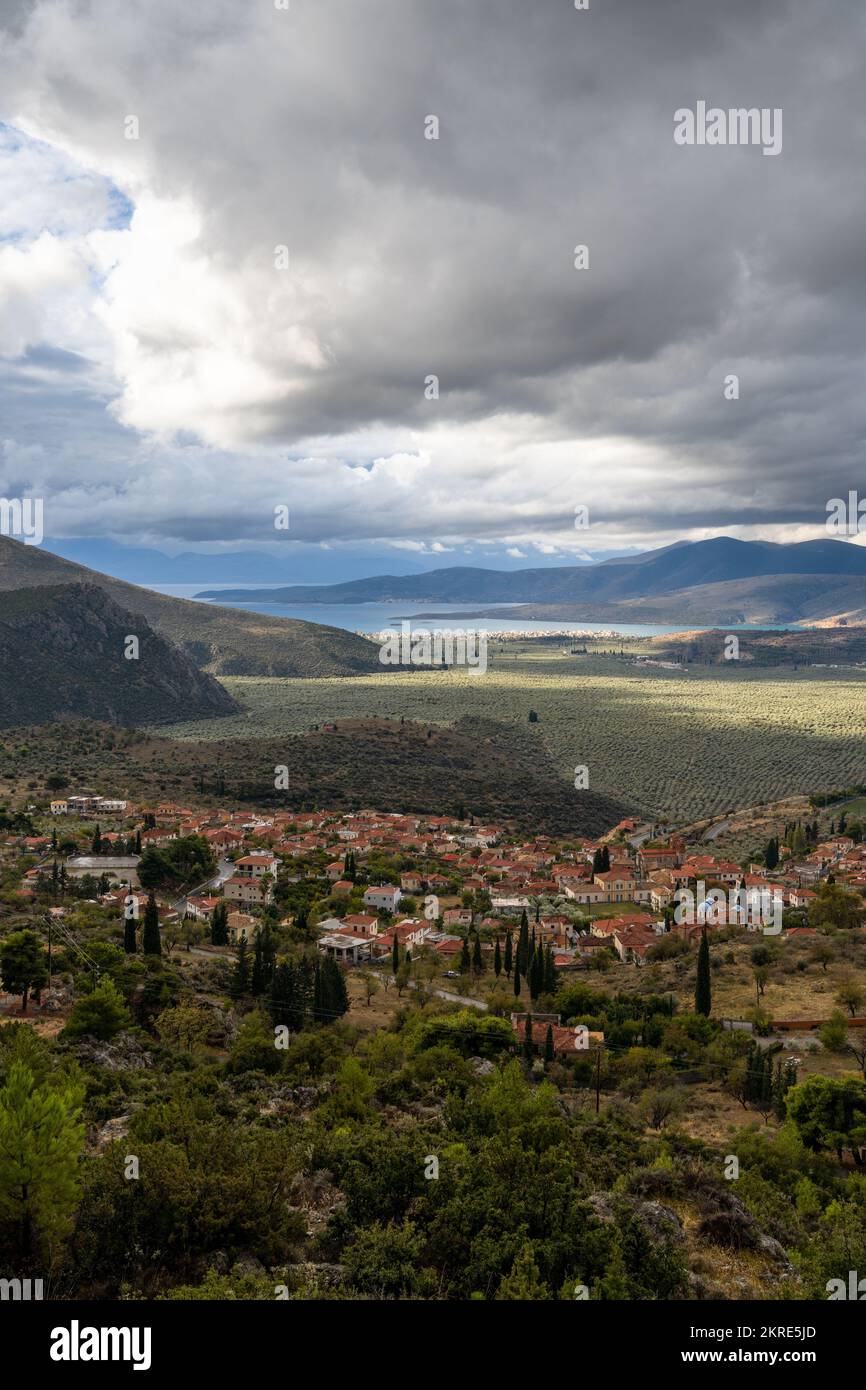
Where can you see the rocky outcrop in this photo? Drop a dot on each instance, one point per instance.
(72, 651)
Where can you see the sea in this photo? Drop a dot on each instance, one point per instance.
(376, 617)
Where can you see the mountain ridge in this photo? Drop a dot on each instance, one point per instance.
(766, 581)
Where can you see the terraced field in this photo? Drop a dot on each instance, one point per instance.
(679, 744)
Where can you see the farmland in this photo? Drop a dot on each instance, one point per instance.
(679, 744)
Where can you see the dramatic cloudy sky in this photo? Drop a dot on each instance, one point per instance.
(164, 383)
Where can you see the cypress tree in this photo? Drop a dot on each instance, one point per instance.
(240, 981)
(96, 842)
(477, 959)
(509, 954)
(465, 961)
(536, 976)
(150, 939)
(257, 978)
(703, 993)
(523, 944)
(527, 1039)
(517, 980)
(219, 934)
(129, 944)
(549, 972)
(395, 954)
(605, 859)
(335, 988)
(319, 993)
(548, 1045)
(497, 960)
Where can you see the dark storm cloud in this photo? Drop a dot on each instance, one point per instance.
(454, 257)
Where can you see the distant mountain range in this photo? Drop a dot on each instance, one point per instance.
(221, 641)
(722, 580)
(62, 653)
(294, 562)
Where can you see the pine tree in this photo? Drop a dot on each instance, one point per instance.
(509, 954)
(41, 1148)
(288, 998)
(240, 981)
(497, 960)
(548, 1045)
(703, 994)
(151, 942)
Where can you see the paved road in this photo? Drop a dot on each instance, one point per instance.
(225, 869)
(716, 830)
(454, 998)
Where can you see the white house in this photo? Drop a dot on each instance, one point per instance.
(384, 898)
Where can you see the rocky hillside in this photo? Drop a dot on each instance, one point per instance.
(62, 654)
(222, 641)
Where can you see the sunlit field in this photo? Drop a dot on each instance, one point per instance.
(682, 745)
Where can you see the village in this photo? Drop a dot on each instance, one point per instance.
(373, 889)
